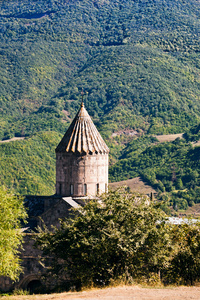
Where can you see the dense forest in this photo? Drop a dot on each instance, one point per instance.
(131, 57)
(138, 64)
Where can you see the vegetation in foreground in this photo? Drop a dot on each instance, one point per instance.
(12, 212)
(122, 236)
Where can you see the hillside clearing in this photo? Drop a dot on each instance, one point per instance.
(193, 211)
(135, 184)
(196, 144)
(168, 137)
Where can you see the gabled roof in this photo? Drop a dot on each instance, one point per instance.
(82, 136)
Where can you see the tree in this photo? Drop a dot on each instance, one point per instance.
(117, 236)
(185, 264)
(179, 184)
(12, 212)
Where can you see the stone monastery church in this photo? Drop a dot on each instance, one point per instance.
(81, 174)
(81, 159)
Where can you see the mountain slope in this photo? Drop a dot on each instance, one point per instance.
(172, 168)
(28, 166)
(138, 63)
(138, 57)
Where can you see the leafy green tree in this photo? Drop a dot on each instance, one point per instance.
(12, 212)
(117, 236)
(179, 184)
(185, 265)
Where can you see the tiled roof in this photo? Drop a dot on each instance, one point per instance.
(82, 136)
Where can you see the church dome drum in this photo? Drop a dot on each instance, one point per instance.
(81, 159)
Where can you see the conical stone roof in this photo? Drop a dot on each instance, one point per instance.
(82, 136)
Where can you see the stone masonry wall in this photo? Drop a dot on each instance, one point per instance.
(79, 175)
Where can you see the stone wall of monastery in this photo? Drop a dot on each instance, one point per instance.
(80, 175)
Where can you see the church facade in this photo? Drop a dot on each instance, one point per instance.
(81, 174)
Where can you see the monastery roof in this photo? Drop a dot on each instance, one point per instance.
(82, 136)
(37, 206)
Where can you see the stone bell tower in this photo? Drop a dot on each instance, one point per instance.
(81, 159)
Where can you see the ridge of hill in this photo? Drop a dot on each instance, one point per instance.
(138, 61)
(136, 185)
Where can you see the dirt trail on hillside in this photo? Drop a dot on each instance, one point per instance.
(121, 293)
(13, 139)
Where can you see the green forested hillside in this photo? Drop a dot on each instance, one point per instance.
(28, 166)
(138, 63)
(136, 58)
(172, 168)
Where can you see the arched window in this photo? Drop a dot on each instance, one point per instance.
(60, 188)
(71, 189)
(97, 188)
(85, 189)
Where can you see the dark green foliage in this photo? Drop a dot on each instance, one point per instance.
(193, 135)
(115, 238)
(185, 265)
(136, 146)
(122, 237)
(47, 117)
